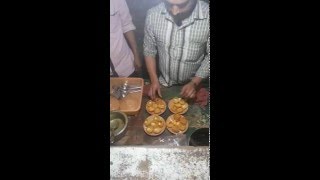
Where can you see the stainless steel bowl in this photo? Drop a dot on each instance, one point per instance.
(118, 125)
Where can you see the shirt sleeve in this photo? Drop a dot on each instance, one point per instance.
(149, 41)
(204, 69)
(126, 19)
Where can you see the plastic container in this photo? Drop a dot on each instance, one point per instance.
(131, 104)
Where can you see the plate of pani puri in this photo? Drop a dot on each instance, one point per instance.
(178, 106)
(154, 125)
(157, 106)
(177, 123)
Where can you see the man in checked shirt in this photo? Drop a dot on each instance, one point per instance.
(178, 30)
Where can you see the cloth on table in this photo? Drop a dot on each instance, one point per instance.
(202, 97)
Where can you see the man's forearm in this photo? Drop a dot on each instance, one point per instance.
(131, 39)
(152, 68)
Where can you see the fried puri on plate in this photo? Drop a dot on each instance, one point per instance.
(177, 123)
(158, 106)
(178, 106)
(154, 125)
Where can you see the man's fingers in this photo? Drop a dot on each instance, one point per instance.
(151, 93)
(183, 91)
(159, 93)
(190, 93)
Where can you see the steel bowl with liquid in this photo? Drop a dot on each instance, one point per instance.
(118, 125)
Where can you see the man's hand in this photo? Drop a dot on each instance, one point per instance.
(188, 90)
(154, 90)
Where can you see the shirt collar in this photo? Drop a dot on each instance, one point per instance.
(196, 14)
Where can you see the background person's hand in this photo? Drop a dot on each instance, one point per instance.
(188, 90)
(154, 91)
(138, 64)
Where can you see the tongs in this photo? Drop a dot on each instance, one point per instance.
(123, 90)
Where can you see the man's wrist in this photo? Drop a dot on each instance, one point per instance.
(195, 81)
(154, 80)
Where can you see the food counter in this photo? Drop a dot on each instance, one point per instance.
(159, 162)
(138, 155)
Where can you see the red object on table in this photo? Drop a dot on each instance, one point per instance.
(202, 97)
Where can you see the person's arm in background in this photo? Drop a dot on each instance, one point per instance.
(150, 52)
(128, 27)
(189, 90)
(130, 37)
